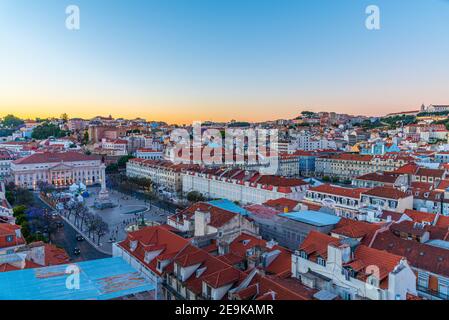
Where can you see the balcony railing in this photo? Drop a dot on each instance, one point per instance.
(434, 293)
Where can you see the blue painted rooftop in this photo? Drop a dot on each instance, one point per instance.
(102, 279)
(439, 243)
(229, 206)
(315, 218)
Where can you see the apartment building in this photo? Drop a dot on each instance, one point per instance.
(211, 219)
(162, 173)
(242, 185)
(182, 271)
(432, 176)
(352, 271)
(349, 166)
(149, 154)
(381, 179)
(11, 238)
(60, 169)
(386, 198)
(344, 202)
(289, 229)
(6, 158)
(429, 262)
(345, 166)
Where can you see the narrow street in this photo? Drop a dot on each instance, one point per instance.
(66, 238)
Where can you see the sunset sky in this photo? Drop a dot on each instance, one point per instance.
(185, 60)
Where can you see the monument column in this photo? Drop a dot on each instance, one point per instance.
(103, 191)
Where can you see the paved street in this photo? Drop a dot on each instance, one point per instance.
(66, 238)
(128, 212)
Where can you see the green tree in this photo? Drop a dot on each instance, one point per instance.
(85, 139)
(18, 196)
(10, 121)
(47, 130)
(195, 196)
(124, 160)
(112, 168)
(18, 211)
(64, 117)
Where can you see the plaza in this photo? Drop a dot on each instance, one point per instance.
(127, 211)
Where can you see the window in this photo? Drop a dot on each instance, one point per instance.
(321, 261)
(303, 254)
(423, 280)
(346, 295)
(443, 287)
(208, 293)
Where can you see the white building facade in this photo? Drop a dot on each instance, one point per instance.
(58, 169)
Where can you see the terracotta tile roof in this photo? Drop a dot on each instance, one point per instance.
(353, 193)
(55, 255)
(223, 277)
(386, 192)
(316, 243)
(425, 186)
(395, 216)
(154, 236)
(244, 242)
(352, 157)
(385, 261)
(436, 173)
(262, 211)
(443, 185)
(9, 230)
(55, 157)
(5, 267)
(413, 297)
(419, 216)
(384, 177)
(218, 216)
(425, 194)
(193, 258)
(355, 229)
(419, 255)
(282, 203)
(231, 258)
(417, 229)
(248, 293)
(409, 168)
(442, 222)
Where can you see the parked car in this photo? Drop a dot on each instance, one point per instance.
(79, 238)
(76, 251)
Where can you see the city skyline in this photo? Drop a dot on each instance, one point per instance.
(181, 61)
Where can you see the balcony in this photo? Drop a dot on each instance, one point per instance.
(433, 293)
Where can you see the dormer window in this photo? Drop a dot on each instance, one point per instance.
(373, 281)
(321, 261)
(303, 254)
(133, 245)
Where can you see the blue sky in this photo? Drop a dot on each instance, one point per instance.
(184, 60)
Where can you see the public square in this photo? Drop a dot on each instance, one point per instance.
(127, 211)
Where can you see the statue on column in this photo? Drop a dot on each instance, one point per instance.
(104, 194)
